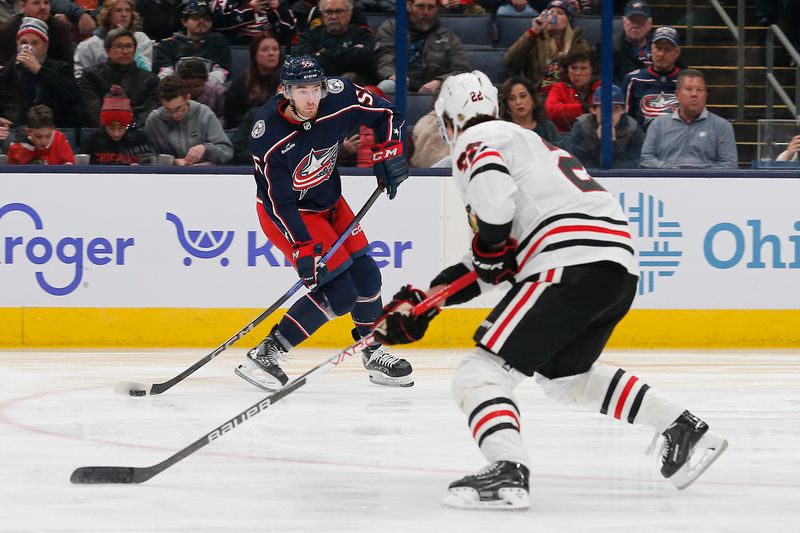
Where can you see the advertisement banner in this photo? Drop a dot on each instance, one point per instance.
(183, 240)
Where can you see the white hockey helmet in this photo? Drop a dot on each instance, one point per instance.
(463, 97)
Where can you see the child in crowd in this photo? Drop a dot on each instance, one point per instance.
(116, 142)
(626, 134)
(44, 144)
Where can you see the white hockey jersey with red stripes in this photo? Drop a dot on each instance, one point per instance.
(560, 216)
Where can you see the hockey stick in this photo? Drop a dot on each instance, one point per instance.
(142, 389)
(133, 474)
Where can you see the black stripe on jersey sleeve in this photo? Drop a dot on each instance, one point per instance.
(489, 166)
(585, 242)
(582, 216)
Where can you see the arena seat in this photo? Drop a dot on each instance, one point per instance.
(490, 62)
(418, 104)
(240, 59)
(509, 28)
(471, 29)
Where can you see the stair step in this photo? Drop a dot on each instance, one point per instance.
(753, 94)
(703, 14)
(721, 34)
(725, 55)
(750, 111)
(722, 75)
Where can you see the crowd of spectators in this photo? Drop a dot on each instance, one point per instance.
(147, 77)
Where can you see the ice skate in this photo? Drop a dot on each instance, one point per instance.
(261, 365)
(502, 485)
(385, 369)
(689, 448)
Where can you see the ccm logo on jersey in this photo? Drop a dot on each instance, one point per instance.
(387, 150)
(314, 168)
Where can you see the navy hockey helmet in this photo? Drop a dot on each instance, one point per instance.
(302, 70)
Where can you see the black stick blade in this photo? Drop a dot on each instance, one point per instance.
(102, 474)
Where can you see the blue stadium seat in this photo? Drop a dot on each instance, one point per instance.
(490, 62)
(375, 20)
(419, 104)
(240, 59)
(471, 29)
(591, 27)
(7, 142)
(84, 138)
(72, 138)
(510, 28)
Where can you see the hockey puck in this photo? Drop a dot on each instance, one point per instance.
(138, 393)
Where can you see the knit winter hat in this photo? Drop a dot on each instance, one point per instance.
(568, 6)
(116, 108)
(35, 26)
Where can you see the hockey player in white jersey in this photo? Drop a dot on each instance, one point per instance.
(559, 244)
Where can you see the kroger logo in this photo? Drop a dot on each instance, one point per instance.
(657, 238)
(72, 251)
(202, 244)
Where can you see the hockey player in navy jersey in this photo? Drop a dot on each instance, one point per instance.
(560, 246)
(295, 142)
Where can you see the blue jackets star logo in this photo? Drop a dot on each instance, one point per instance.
(315, 168)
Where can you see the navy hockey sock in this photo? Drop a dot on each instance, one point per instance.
(366, 278)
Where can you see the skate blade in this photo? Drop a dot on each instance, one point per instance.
(379, 378)
(268, 385)
(468, 499)
(707, 450)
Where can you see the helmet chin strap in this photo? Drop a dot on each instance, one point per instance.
(296, 112)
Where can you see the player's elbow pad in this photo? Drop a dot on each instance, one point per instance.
(448, 276)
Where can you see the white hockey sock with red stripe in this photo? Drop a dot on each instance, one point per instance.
(614, 392)
(482, 388)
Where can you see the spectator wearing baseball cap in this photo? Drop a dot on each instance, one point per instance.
(632, 45)
(197, 40)
(626, 140)
(650, 91)
(117, 141)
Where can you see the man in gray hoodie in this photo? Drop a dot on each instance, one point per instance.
(186, 129)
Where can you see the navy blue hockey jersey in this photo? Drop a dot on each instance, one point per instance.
(649, 94)
(295, 162)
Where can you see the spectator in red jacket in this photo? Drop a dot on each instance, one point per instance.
(570, 99)
(44, 144)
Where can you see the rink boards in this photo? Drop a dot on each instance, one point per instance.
(179, 260)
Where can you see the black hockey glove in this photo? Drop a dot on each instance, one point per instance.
(396, 325)
(390, 166)
(494, 266)
(306, 256)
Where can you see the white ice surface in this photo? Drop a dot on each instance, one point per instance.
(341, 454)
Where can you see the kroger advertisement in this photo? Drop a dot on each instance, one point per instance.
(142, 240)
